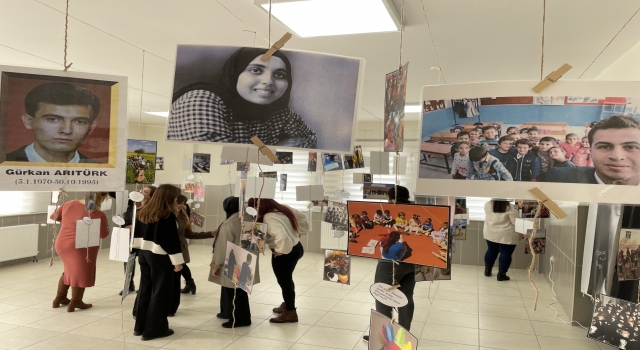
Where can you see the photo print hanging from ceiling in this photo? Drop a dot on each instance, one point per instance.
(141, 161)
(395, 96)
(415, 234)
(295, 99)
(582, 143)
(62, 129)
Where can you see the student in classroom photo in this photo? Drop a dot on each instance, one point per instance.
(571, 145)
(486, 167)
(462, 136)
(582, 157)
(546, 161)
(474, 137)
(525, 165)
(559, 156)
(505, 151)
(461, 162)
(490, 135)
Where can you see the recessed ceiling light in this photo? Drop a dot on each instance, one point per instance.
(159, 114)
(412, 108)
(310, 18)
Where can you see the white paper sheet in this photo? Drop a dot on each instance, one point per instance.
(310, 193)
(50, 210)
(119, 248)
(379, 163)
(253, 187)
(87, 235)
(239, 154)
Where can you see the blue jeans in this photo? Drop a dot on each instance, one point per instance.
(505, 251)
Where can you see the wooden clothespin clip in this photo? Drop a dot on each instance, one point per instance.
(64, 192)
(547, 202)
(276, 46)
(264, 149)
(552, 78)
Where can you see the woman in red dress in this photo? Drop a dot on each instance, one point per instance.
(79, 263)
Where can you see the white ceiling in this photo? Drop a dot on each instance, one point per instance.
(476, 40)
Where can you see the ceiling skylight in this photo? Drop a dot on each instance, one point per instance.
(311, 18)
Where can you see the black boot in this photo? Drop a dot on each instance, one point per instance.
(487, 270)
(190, 287)
(502, 276)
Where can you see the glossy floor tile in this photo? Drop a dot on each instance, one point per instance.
(470, 312)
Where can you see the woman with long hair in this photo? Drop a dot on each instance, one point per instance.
(500, 233)
(391, 246)
(147, 193)
(251, 99)
(79, 263)
(285, 225)
(184, 232)
(230, 231)
(160, 254)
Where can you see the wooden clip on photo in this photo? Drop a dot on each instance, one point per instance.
(276, 46)
(264, 149)
(552, 78)
(548, 202)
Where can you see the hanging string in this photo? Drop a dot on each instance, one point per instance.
(433, 43)
(544, 21)
(397, 160)
(269, 23)
(233, 312)
(401, 32)
(66, 31)
(533, 254)
(609, 43)
(141, 94)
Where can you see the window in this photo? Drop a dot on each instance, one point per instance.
(20, 203)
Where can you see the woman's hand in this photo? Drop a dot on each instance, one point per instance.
(177, 268)
(214, 271)
(276, 254)
(214, 233)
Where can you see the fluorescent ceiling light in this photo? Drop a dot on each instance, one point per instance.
(412, 108)
(159, 114)
(310, 18)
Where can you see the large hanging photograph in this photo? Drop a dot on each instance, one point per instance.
(62, 129)
(295, 99)
(570, 144)
(411, 233)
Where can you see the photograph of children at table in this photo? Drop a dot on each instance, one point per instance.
(568, 142)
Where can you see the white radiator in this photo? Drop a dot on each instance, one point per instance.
(17, 242)
(328, 241)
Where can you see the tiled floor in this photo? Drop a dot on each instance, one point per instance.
(468, 312)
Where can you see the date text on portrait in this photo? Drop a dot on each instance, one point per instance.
(55, 182)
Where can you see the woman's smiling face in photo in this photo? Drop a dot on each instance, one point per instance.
(263, 82)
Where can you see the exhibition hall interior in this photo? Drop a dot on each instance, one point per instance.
(304, 174)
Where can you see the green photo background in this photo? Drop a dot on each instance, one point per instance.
(146, 151)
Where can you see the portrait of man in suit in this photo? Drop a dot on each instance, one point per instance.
(615, 150)
(61, 116)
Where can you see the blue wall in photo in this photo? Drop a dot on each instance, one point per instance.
(437, 121)
(442, 119)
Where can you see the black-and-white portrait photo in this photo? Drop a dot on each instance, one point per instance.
(228, 94)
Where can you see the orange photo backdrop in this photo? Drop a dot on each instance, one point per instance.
(420, 244)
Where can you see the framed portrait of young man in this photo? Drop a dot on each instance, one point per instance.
(62, 130)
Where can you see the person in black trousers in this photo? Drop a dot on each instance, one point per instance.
(184, 232)
(404, 273)
(285, 226)
(230, 231)
(160, 254)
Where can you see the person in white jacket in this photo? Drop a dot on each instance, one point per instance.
(500, 233)
(285, 225)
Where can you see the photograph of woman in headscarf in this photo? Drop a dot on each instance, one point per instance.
(249, 97)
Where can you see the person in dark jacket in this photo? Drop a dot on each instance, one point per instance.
(160, 254)
(525, 165)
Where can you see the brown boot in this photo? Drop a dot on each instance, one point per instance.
(76, 300)
(61, 295)
(286, 317)
(280, 309)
